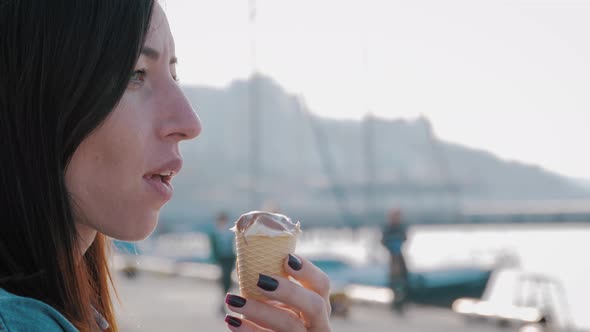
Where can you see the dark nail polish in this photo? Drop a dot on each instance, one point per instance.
(267, 283)
(233, 321)
(235, 301)
(294, 262)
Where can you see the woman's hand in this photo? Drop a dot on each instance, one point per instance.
(300, 309)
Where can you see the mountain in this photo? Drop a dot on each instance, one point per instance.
(310, 165)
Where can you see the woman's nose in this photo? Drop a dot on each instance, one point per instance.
(182, 122)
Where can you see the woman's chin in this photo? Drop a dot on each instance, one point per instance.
(140, 231)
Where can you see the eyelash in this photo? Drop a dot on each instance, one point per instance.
(143, 72)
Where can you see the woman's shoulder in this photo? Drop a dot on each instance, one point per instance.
(19, 313)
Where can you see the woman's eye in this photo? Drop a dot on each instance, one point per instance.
(138, 76)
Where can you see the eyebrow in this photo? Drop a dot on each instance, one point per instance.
(154, 55)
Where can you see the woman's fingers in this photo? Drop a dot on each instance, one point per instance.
(242, 325)
(310, 304)
(291, 307)
(265, 315)
(310, 276)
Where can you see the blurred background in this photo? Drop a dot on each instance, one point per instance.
(435, 152)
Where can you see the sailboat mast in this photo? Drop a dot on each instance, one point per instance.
(254, 114)
(368, 130)
(368, 146)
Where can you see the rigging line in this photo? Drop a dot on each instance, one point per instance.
(329, 170)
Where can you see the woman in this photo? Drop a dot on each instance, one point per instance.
(90, 121)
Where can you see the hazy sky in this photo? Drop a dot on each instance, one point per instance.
(510, 77)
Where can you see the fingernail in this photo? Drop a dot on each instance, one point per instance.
(294, 262)
(233, 321)
(235, 300)
(267, 283)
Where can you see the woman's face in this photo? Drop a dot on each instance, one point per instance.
(119, 177)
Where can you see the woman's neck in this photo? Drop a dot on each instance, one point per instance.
(86, 236)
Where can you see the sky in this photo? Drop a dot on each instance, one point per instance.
(508, 77)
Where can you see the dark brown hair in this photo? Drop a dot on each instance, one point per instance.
(64, 65)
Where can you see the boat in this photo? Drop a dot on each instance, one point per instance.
(441, 287)
(437, 287)
(529, 300)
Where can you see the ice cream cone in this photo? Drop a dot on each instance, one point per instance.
(263, 242)
(261, 254)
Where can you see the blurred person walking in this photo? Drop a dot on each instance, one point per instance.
(393, 238)
(223, 251)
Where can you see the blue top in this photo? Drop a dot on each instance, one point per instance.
(20, 314)
(222, 244)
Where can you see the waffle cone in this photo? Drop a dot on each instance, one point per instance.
(261, 254)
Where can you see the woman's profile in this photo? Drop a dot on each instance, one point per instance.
(91, 117)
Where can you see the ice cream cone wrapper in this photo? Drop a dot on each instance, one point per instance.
(261, 254)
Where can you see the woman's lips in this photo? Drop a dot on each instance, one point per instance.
(161, 185)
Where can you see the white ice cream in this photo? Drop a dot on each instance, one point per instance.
(259, 223)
